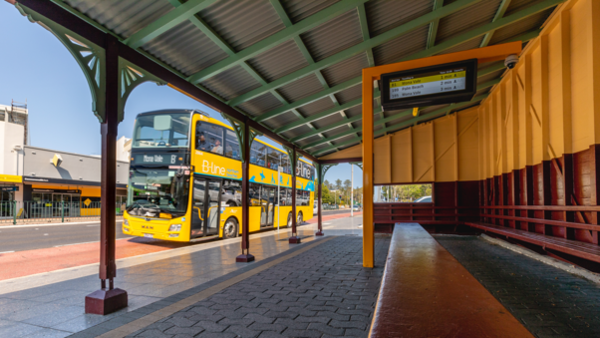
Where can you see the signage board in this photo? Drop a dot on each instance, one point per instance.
(420, 87)
(161, 159)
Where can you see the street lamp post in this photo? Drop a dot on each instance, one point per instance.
(351, 190)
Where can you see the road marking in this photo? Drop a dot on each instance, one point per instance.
(92, 225)
(45, 234)
(326, 223)
(7, 252)
(50, 224)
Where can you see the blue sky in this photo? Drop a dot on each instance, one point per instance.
(36, 67)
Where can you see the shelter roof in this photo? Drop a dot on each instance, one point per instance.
(294, 66)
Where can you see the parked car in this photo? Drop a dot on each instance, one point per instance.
(424, 199)
(315, 208)
(356, 207)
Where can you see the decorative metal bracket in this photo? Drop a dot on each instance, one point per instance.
(358, 164)
(322, 170)
(89, 56)
(131, 76)
(293, 160)
(238, 126)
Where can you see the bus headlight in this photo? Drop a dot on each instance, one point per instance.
(175, 227)
(125, 221)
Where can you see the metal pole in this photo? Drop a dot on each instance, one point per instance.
(108, 300)
(278, 193)
(62, 211)
(245, 256)
(352, 190)
(320, 200)
(294, 239)
(14, 212)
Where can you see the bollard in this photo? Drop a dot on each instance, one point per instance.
(62, 210)
(14, 212)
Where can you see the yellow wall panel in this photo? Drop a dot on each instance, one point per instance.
(535, 108)
(555, 113)
(444, 145)
(422, 153)
(581, 81)
(382, 168)
(468, 145)
(402, 156)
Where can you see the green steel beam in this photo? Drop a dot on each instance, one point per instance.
(527, 12)
(167, 21)
(327, 128)
(276, 39)
(484, 85)
(358, 80)
(281, 13)
(433, 26)
(410, 122)
(364, 27)
(499, 14)
(355, 50)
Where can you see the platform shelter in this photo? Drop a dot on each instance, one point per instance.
(517, 160)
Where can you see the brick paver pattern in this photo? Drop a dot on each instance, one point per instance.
(548, 301)
(324, 292)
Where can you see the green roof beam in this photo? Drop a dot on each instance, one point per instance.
(167, 21)
(281, 13)
(499, 14)
(276, 39)
(355, 50)
(433, 26)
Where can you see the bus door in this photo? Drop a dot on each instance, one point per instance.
(205, 207)
(266, 206)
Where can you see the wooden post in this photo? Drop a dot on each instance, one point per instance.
(294, 239)
(108, 299)
(245, 256)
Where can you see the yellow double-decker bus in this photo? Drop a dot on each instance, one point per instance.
(185, 180)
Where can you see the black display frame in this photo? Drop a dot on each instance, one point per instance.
(431, 99)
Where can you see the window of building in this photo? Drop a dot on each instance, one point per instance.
(209, 137)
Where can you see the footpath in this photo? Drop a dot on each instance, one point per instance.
(29, 262)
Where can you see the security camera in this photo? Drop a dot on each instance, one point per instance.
(511, 61)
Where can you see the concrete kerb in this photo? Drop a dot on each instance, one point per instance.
(575, 270)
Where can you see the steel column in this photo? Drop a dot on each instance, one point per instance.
(245, 256)
(294, 239)
(368, 172)
(108, 299)
(320, 199)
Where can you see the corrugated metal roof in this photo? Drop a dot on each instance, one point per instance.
(331, 119)
(343, 139)
(298, 10)
(316, 107)
(518, 5)
(383, 15)
(345, 70)
(231, 83)
(302, 130)
(279, 61)
(471, 44)
(349, 94)
(281, 120)
(242, 23)
(354, 111)
(122, 17)
(301, 88)
(490, 76)
(333, 36)
(466, 19)
(306, 141)
(260, 104)
(531, 23)
(336, 131)
(402, 46)
(185, 48)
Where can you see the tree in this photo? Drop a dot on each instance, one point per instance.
(347, 186)
(326, 195)
(327, 184)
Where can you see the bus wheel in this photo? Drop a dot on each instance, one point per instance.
(230, 230)
(289, 223)
(300, 220)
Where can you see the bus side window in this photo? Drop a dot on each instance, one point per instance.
(257, 154)
(232, 146)
(273, 158)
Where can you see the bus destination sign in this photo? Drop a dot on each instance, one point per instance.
(428, 86)
(158, 159)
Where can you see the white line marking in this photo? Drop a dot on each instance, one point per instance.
(7, 252)
(50, 224)
(326, 223)
(45, 234)
(92, 225)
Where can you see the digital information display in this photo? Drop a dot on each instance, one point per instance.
(429, 83)
(421, 87)
(158, 159)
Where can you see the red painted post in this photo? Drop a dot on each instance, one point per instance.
(245, 257)
(319, 200)
(108, 299)
(294, 239)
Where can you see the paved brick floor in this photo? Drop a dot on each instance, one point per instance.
(548, 301)
(324, 292)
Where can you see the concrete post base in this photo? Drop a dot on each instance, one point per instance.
(244, 258)
(295, 240)
(319, 233)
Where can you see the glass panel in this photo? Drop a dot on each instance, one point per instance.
(258, 153)
(155, 191)
(214, 189)
(209, 137)
(198, 203)
(273, 158)
(147, 134)
(285, 162)
(232, 146)
(232, 193)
